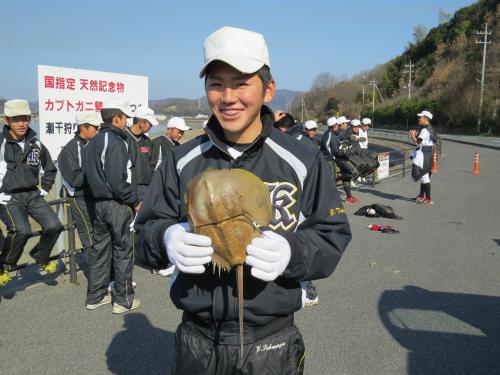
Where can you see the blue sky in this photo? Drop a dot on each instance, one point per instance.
(164, 39)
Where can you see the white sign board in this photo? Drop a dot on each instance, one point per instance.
(383, 169)
(64, 92)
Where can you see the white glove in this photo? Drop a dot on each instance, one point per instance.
(43, 193)
(268, 255)
(4, 198)
(187, 251)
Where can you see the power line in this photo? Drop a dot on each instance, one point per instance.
(484, 42)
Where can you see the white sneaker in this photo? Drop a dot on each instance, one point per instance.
(111, 287)
(105, 301)
(353, 184)
(119, 309)
(165, 272)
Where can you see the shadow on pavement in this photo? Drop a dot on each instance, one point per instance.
(141, 348)
(389, 196)
(445, 333)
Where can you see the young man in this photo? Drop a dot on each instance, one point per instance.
(140, 149)
(107, 170)
(363, 132)
(305, 240)
(334, 146)
(311, 129)
(70, 164)
(162, 145)
(25, 163)
(424, 138)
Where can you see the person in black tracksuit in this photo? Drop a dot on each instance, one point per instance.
(335, 147)
(163, 144)
(107, 172)
(305, 240)
(141, 149)
(25, 163)
(70, 164)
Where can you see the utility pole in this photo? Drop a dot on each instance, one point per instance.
(409, 70)
(363, 92)
(373, 82)
(302, 110)
(484, 42)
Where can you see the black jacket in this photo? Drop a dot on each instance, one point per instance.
(330, 145)
(140, 149)
(307, 212)
(161, 147)
(70, 164)
(107, 166)
(21, 169)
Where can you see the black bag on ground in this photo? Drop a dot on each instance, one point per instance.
(378, 210)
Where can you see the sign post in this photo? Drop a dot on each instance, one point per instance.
(64, 92)
(383, 169)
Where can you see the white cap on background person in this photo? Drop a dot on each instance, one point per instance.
(342, 120)
(122, 105)
(331, 121)
(355, 122)
(310, 124)
(178, 123)
(425, 114)
(146, 113)
(366, 121)
(89, 117)
(244, 50)
(16, 107)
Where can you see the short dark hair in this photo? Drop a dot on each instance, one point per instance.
(107, 114)
(287, 121)
(263, 73)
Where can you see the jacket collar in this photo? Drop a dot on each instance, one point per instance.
(80, 139)
(107, 127)
(216, 134)
(30, 135)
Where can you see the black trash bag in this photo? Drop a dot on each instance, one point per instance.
(378, 210)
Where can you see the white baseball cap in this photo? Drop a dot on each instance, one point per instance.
(89, 117)
(355, 122)
(331, 121)
(342, 120)
(366, 121)
(16, 107)
(178, 123)
(310, 124)
(426, 114)
(244, 50)
(122, 105)
(147, 114)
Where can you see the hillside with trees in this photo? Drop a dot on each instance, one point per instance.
(446, 72)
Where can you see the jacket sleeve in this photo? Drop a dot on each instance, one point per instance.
(325, 146)
(319, 241)
(49, 169)
(116, 168)
(155, 153)
(69, 167)
(160, 209)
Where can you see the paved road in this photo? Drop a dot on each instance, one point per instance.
(493, 142)
(426, 301)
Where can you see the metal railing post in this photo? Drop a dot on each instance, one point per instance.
(70, 224)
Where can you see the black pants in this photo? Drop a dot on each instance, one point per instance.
(280, 353)
(80, 208)
(15, 216)
(112, 241)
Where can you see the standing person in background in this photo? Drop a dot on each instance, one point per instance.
(311, 130)
(424, 138)
(162, 145)
(70, 164)
(140, 149)
(326, 144)
(25, 163)
(107, 170)
(363, 132)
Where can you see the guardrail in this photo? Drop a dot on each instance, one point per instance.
(72, 251)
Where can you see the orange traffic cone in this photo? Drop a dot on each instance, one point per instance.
(476, 163)
(434, 162)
